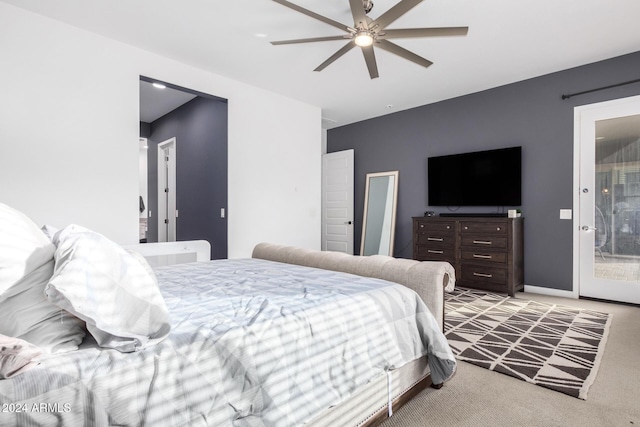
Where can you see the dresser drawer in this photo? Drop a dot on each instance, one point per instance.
(434, 253)
(475, 227)
(483, 274)
(435, 239)
(439, 226)
(489, 257)
(486, 241)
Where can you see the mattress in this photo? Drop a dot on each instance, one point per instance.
(253, 343)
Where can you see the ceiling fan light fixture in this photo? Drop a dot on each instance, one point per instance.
(364, 38)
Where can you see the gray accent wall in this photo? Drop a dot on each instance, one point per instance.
(530, 114)
(200, 129)
(145, 130)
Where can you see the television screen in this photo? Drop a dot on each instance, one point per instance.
(482, 178)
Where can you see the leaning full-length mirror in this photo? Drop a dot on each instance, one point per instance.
(379, 219)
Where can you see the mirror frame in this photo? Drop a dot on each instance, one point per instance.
(365, 213)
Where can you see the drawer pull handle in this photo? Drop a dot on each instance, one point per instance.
(482, 256)
(482, 242)
(488, 276)
(432, 251)
(435, 239)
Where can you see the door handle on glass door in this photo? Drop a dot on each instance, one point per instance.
(587, 228)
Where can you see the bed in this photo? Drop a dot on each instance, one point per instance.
(288, 337)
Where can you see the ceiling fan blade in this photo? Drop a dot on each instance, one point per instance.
(314, 39)
(394, 13)
(423, 32)
(359, 15)
(346, 48)
(403, 53)
(370, 59)
(313, 14)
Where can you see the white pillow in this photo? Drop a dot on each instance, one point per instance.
(26, 265)
(26, 314)
(116, 294)
(23, 247)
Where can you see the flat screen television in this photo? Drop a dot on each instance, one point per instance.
(482, 178)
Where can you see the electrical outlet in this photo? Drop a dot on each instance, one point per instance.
(565, 213)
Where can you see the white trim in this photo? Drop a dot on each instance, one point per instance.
(575, 293)
(167, 206)
(143, 183)
(551, 292)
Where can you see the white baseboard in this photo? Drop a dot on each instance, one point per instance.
(550, 292)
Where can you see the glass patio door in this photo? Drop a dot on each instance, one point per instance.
(609, 200)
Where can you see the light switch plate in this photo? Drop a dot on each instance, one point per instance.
(565, 213)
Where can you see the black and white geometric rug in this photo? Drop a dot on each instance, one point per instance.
(553, 346)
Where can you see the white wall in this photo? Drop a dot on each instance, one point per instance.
(69, 137)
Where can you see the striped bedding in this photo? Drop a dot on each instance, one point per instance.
(253, 343)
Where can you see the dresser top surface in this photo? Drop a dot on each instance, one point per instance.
(468, 218)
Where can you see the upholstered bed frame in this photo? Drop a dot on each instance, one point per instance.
(376, 401)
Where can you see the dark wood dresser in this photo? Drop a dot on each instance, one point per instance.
(486, 252)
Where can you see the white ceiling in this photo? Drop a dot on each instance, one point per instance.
(155, 103)
(508, 41)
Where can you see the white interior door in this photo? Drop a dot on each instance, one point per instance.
(167, 212)
(608, 231)
(337, 201)
(143, 188)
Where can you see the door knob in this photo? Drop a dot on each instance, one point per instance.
(587, 228)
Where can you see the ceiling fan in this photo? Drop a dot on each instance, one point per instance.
(367, 33)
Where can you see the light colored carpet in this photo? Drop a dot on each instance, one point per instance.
(478, 397)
